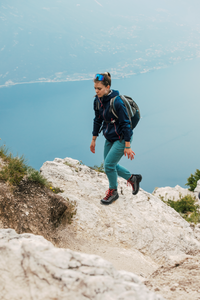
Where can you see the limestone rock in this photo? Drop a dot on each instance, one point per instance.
(32, 268)
(142, 222)
(171, 193)
(177, 282)
(197, 190)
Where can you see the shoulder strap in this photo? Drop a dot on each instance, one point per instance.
(112, 107)
(127, 104)
(97, 106)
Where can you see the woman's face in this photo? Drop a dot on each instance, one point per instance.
(101, 89)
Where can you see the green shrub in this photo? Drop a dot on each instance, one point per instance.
(186, 207)
(192, 180)
(193, 218)
(35, 176)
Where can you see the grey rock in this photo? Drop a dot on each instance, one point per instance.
(197, 191)
(32, 268)
(142, 222)
(169, 193)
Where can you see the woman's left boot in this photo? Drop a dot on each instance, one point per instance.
(111, 196)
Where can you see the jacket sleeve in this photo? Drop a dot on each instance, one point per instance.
(123, 119)
(97, 120)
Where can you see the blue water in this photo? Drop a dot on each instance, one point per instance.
(48, 120)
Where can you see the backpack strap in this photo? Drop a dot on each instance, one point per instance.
(112, 108)
(126, 103)
(97, 105)
(128, 107)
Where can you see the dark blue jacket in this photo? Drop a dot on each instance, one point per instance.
(112, 131)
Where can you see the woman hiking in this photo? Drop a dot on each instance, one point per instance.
(118, 136)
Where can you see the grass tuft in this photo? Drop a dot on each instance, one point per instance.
(99, 169)
(71, 211)
(16, 168)
(35, 176)
(3, 152)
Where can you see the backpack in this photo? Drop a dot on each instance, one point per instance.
(132, 109)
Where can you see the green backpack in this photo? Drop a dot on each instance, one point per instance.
(132, 109)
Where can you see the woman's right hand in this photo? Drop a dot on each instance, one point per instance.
(92, 146)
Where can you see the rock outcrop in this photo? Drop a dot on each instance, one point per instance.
(169, 193)
(32, 268)
(197, 191)
(141, 223)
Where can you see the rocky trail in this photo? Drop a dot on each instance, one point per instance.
(181, 281)
(138, 234)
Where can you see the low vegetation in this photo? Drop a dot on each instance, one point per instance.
(56, 190)
(71, 211)
(187, 207)
(99, 169)
(16, 168)
(71, 166)
(35, 176)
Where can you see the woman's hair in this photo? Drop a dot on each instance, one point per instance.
(106, 78)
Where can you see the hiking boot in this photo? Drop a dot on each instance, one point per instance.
(110, 197)
(134, 181)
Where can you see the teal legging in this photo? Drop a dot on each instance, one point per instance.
(113, 152)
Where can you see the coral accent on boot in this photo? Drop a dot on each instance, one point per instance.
(109, 193)
(129, 182)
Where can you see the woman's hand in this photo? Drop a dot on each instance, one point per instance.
(129, 152)
(92, 146)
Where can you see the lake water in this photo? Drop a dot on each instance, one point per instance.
(48, 120)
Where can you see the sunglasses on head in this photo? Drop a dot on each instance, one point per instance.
(99, 77)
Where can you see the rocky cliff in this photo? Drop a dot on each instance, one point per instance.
(139, 234)
(142, 224)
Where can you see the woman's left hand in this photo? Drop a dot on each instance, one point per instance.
(129, 152)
